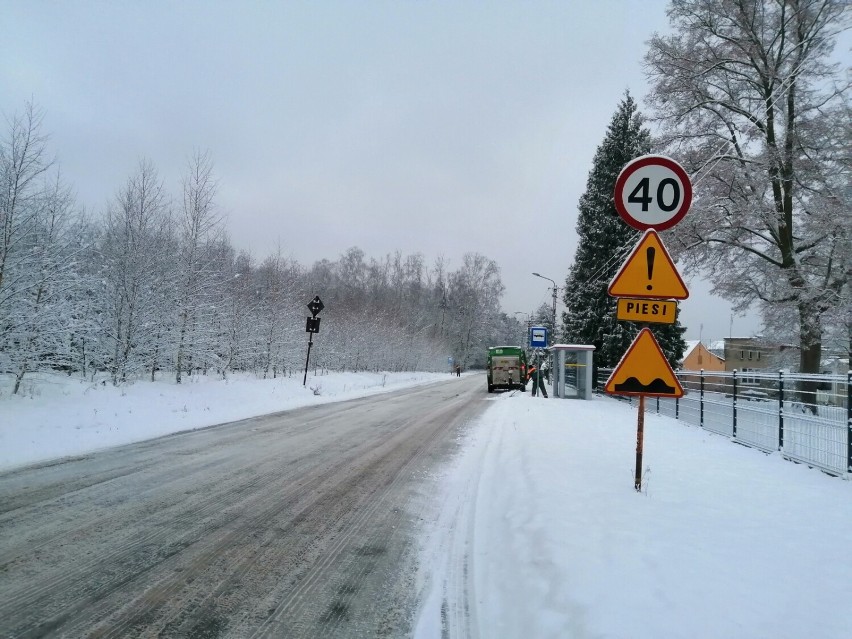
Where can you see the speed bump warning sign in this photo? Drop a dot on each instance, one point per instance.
(644, 370)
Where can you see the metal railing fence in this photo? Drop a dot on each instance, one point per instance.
(808, 418)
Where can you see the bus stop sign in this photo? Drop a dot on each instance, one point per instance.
(538, 337)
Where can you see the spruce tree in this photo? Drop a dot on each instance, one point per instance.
(605, 241)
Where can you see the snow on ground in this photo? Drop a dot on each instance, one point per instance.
(57, 416)
(723, 542)
(539, 513)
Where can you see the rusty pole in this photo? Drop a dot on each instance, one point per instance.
(640, 436)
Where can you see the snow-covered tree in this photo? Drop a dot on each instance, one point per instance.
(23, 165)
(474, 307)
(85, 266)
(604, 243)
(40, 247)
(748, 102)
(143, 291)
(235, 308)
(23, 168)
(43, 308)
(200, 226)
(137, 278)
(279, 314)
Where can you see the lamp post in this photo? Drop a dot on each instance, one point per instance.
(553, 326)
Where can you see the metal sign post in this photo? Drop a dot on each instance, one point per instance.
(311, 327)
(652, 193)
(640, 441)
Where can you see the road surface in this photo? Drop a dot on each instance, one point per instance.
(296, 524)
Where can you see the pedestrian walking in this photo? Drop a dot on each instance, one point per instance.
(458, 370)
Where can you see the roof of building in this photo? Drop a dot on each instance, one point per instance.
(571, 347)
(691, 345)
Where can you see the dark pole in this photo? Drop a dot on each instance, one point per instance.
(553, 327)
(553, 339)
(849, 419)
(780, 410)
(312, 326)
(734, 403)
(640, 436)
(308, 358)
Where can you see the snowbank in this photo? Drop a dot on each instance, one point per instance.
(724, 540)
(57, 416)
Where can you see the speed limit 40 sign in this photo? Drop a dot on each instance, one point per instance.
(652, 192)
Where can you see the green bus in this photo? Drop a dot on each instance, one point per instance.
(507, 368)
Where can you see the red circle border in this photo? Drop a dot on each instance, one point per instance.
(635, 165)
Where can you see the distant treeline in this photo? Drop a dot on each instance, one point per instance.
(154, 285)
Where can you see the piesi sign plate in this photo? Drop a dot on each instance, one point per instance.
(651, 311)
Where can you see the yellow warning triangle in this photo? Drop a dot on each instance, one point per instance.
(649, 272)
(644, 370)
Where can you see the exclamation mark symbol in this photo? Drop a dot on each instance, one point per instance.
(649, 253)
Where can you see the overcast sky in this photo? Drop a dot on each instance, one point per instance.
(426, 127)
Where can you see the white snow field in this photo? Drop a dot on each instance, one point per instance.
(537, 530)
(724, 541)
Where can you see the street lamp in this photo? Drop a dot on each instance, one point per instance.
(553, 327)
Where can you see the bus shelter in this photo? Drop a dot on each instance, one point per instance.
(573, 370)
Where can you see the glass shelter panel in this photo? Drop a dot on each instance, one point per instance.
(573, 379)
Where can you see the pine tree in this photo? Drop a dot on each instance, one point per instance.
(604, 243)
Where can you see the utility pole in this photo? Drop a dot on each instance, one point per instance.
(553, 326)
(554, 314)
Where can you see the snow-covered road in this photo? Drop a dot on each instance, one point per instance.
(531, 529)
(296, 524)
